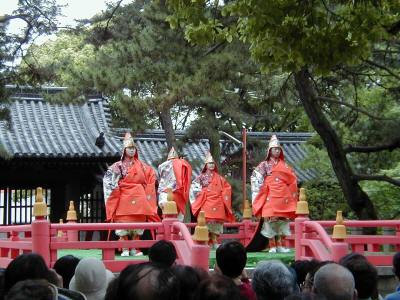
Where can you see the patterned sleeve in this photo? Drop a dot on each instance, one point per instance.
(195, 188)
(257, 180)
(167, 179)
(111, 179)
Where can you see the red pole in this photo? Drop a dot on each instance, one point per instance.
(244, 167)
(41, 238)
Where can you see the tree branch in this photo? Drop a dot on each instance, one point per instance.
(360, 177)
(112, 15)
(336, 101)
(372, 63)
(394, 29)
(6, 18)
(213, 48)
(368, 149)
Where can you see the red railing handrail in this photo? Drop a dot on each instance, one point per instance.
(325, 238)
(363, 223)
(19, 228)
(185, 233)
(308, 230)
(105, 226)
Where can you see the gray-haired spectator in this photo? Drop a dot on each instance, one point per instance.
(272, 280)
(335, 282)
(91, 278)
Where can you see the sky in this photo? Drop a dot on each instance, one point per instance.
(75, 9)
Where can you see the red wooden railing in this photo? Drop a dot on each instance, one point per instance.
(311, 239)
(42, 237)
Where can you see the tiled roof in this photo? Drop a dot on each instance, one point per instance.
(40, 129)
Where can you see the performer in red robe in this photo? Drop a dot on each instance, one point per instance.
(211, 193)
(129, 191)
(274, 195)
(175, 175)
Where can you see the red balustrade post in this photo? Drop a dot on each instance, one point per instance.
(298, 236)
(397, 248)
(339, 249)
(14, 238)
(200, 255)
(167, 224)
(302, 213)
(41, 228)
(200, 252)
(247, 216)
(72, 235)
(246, 231)
(41, 238)
(170, 213)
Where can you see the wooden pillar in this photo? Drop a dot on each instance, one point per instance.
(58, 204)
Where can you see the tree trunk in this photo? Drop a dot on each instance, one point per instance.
(213, 137)
(357, 199)
(166, 123)
(215, 148)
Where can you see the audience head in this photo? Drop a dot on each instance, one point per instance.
(162, 253)
(189, 279)
(38, 289)
(145, 281)
(2, 272)
(217, 287)
(231, 258)
(302, 267)
(334, 282)
(65, 266)
(91, 278)
(396, 264)
(364, 273)
(305, 296)
(26, 266)
(308, 283)
(272, 280)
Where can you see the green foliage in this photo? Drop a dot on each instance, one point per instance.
(347, 51)
(318, 160)
(64, 61)
(161, 70)
(324, 194)
(325, 198)
(290, 34)
(386, 196)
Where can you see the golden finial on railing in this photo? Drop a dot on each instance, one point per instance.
(60, 233)
(71, 214)
(201, 230)
(247, 212)
(339, 230)
(302, 204)
(40, 207)
(170, 205)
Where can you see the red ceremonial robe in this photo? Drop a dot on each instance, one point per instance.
(134, 200)
(183, 174)
(215, 200)
(278, 194)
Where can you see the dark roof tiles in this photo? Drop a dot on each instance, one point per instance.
(43, 129)
(40, 129)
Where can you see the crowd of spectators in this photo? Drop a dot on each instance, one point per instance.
(353, 277)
